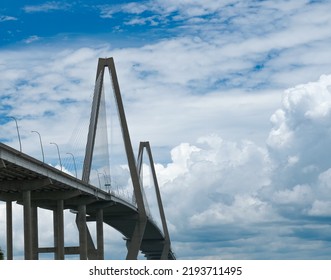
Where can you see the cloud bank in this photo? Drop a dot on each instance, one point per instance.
(269, 202)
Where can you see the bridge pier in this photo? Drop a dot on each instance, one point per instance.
(9, 230)
(85, 249)
(100, 238)
(58, 227)
(27, 225)
(82, 229)
(35, 236)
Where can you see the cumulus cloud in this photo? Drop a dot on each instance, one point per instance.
(277, 193)
(299, 138)
(298, 146)
(214, 184)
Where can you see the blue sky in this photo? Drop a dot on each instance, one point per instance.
(117, 22)
(234, 97)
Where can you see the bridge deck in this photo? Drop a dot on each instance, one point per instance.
(20, 172)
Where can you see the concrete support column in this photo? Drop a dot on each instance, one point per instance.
(9, 221)
(34, 240)
(28, 255)
(100, 239)
(58, 221)
(82, 228)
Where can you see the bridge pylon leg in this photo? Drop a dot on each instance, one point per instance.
(137, 237)
(142, 146)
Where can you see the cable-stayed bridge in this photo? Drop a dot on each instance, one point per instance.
(34, 184)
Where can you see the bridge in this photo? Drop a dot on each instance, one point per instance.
(34, 184)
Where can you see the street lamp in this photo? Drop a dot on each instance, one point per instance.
(58, 152)
(41, 144)
(73, 158)
(18, 132)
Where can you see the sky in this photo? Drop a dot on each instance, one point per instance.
(234, 97)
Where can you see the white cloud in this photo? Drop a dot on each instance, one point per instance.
(298, 148)
(244, 210)
(213, 177)
(280, 40)
(320, 209)
(32, 39)
(46, 7)
(301, 127)
(242, 187)
(107, 11)
(7, 18)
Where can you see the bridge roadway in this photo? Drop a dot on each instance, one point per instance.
(47, 185)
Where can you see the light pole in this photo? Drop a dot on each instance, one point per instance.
(18, 133)
(41, 144)
(58, 152)
(73, 158)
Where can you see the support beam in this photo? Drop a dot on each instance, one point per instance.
(82, 229)
(86, 200)
(28, 185)
(28, 254)
(35, 238)
(9, 221)
(73, 250)
(100, 239)
(55, 195)
(58, 221)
